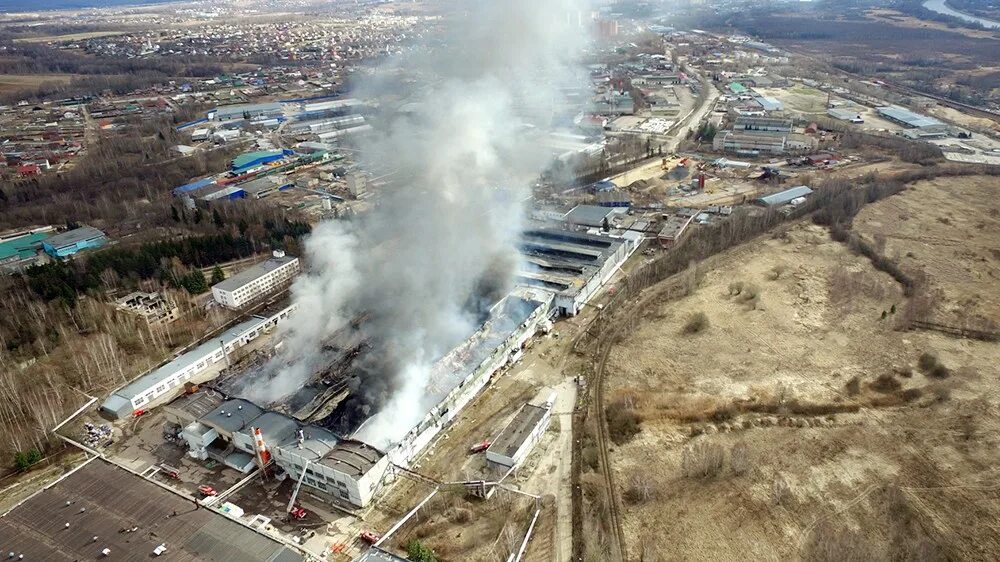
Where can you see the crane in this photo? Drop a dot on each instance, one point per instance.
(295, 494)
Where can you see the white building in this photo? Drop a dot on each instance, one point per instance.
(168, 379)
(256, 282)
(343, 470)
(519, 436)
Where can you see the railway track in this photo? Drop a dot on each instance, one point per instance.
(614, 515)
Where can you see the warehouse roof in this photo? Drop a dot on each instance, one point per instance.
(588, 215)
(276, 428)
(253, 273)
(518, 430)
(233, 415)
(240, 109)
(353, 458)
(785, 196)
(74, 236)
(197, 184)
(23, 247)
(103, 500)
(907, 117)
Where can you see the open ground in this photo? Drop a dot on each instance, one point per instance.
(794, 419)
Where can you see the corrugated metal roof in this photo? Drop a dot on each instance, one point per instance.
(74, 236)
(908, 117)
(785, 196)
(247, 108)
(198, 184)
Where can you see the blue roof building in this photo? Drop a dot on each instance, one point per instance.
(249, 160)
(73, 241)
(197, 184)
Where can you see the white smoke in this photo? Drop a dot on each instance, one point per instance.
(442, 235)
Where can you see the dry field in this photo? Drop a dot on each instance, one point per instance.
(12, 82)
(949, 228)
(795, 422)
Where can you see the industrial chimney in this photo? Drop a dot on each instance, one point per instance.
(263, 455)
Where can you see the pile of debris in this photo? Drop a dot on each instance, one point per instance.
(96, 434)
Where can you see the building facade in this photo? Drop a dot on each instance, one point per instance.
(257, 282)
(168, 379)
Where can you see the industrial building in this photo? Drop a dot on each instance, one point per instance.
(762, 124)
(326, 125)
(589, 215)
(262, 187)
(572, 265)
(168, 379)
(344, 469)
(70, 242)
(664, 79)
(769, 103)
(784, 197)
(21, 250)
(250, 160)
(750, 143)
(82, 517)
(905, 117)
(674, 229)
(246, 111)
(459, 376)
(519, 436)
(845, 114)
(257, 282)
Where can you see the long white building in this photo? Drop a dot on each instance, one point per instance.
(256, 282)
(169, 378)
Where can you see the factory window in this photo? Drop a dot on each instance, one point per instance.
(138, 401)
(344, 494)
(161, 388)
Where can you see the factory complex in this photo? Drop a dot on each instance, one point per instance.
(295, 438)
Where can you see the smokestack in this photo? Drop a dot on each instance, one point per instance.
(301, 438)
(701, 182)
(263, 455)
(222, 343)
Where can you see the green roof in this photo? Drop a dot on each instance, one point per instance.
(737, 88)
(23, 247)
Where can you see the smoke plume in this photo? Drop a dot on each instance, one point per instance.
(439, 247)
